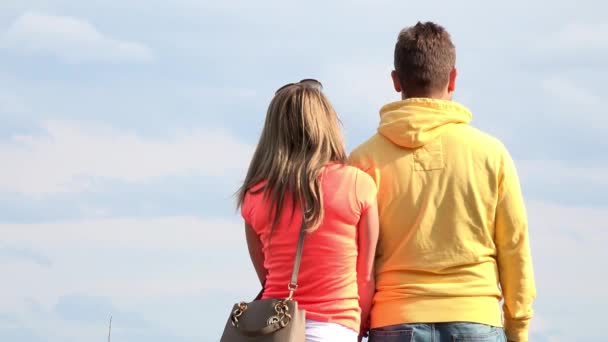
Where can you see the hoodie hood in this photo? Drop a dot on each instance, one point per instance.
(414, 122)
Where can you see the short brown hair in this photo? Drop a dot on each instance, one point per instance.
(424, 58)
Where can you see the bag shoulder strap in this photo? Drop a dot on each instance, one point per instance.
(293, 284)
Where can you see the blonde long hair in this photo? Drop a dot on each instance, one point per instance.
(301, 135)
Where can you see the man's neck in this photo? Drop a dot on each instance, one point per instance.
(443, 96)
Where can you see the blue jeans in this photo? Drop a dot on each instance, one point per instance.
(438, 332)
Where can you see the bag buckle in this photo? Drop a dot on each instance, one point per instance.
(238, 312)
(292, 287)
(282, 316)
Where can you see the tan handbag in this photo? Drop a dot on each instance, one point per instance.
(270, 320)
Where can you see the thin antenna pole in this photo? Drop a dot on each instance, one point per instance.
(110, 330)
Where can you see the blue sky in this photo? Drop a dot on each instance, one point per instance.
(126, 126)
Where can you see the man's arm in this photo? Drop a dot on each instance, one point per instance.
(514, 259)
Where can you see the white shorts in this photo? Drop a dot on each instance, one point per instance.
(328, 332)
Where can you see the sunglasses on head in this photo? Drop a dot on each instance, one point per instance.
(310, 82)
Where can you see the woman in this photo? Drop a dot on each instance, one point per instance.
(300, 163)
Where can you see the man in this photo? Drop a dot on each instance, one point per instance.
(453, 228)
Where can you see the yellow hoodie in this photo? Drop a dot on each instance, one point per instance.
(453, 227)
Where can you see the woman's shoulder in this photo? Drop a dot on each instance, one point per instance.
(362, 183)
(350, 171)
(254, 194)
(252, 200)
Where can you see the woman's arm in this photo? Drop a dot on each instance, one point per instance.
(367, 240)
(256, 253)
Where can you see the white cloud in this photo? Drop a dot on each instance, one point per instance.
(138, 265)
(560, 172)
(73, 157)
(564, 90)
(11, 104)
(540, 330)
(359, 88)
(580, 36)
(577, 106)
(568, 250)
(167, 233)
(133, 263)
(568, 243)
(71, 39)
(123, 259)
(43, 326)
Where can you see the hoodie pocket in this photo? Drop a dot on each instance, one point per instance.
(429, 157)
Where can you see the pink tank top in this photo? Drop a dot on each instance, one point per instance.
(328, 278)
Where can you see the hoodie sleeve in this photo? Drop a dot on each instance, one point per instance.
(513, 248)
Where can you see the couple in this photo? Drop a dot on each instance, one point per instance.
(416, 236)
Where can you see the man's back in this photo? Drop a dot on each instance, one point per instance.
(452, 220)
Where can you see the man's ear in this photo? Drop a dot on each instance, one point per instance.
(396, 82)
(452, 81)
